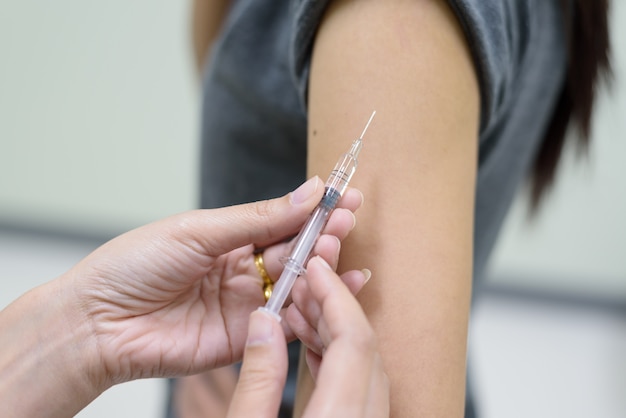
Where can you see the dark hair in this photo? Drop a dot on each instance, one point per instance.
(588, 47)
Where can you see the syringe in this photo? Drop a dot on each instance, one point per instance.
(306, 239)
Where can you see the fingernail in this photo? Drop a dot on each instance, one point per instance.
(362, 198)
(305, 191)
(353, 221)
(368, 275)
(323, 262)
(260, 328)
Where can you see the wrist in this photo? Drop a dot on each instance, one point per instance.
(49, 365)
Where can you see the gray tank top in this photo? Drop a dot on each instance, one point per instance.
(254, 101)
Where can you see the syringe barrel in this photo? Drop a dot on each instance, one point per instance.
(304, 243)
(344, 169)
(281, 291)
(306, 239)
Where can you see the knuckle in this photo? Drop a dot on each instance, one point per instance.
(259, 379)
(263, 209)
(364, 341)
(262, 213)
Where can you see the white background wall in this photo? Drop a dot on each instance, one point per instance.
(577, 243)
(98, 133)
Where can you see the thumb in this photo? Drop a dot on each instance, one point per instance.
(264, 369)
(262, 222)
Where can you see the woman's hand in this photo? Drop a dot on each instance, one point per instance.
(350, 378)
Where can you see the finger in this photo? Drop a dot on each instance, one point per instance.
(342, 220)
(261, 223)
(264, 369)
(340, 223)
(298, 326)
(356, 279)
(193, 397)
(352, 199)
(309, 309)
(327, 247)
(369, 399)
(378, 398)
(350, 358)
(303, 315)
(313, 362)
(299, 314)
(340, 310)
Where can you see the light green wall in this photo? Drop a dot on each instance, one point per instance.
(98, 113)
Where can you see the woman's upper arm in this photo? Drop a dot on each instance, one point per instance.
(409, 61)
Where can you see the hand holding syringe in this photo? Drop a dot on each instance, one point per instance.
(304, 242)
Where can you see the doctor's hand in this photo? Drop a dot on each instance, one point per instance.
(343, 357)
(169, 299)
(174, 297)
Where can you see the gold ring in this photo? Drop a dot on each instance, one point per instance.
(268, 284)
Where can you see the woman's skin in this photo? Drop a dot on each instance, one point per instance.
(168, 299)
